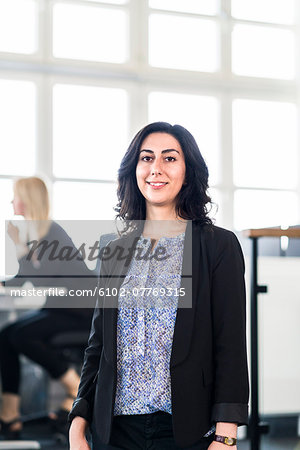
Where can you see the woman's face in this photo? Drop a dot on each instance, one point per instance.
(160, 171)
(18, 205)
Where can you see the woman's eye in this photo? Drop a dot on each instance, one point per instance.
(146, 158)
(170, 158)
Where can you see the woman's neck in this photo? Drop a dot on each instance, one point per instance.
(161, 213)
(162, 222)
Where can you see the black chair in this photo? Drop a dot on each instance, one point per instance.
(72, 345)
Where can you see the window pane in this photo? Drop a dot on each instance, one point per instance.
(18, 26)
(199, 114)
(6, 213)
(6, 208)
(18, 127)
(216, 212)
(263, 52)
(113, 2)
(258, 209)
(88, 201)
(189, 43)
(90, 131)
(192, 6)
(90, 33)
(265, 144)
(273, 11)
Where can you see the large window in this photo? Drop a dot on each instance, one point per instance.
(79, 77)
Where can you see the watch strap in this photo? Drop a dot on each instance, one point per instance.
(225, 440)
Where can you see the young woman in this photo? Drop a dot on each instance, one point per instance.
(30, 335)
(169, 372)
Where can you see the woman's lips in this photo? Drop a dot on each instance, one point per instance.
(156, 184)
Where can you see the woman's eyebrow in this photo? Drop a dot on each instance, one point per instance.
(163, 151)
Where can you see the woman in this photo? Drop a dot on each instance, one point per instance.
(173, 377)
(30, 334)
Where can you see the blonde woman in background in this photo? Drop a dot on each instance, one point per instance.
(30, 334)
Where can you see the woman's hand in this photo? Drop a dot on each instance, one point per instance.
(77, 434)
(13, 233)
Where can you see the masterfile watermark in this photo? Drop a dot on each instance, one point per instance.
(39, 250)
(74, 264)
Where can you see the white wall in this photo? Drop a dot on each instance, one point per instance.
(279, 334)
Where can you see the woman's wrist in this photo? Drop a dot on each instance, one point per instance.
(226, 429)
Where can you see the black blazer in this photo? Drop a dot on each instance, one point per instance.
(209, 375)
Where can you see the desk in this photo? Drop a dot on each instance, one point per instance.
(12, 306)
(13, 303)
(18, 445)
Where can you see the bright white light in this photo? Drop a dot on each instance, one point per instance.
(18, 26)
(259, 51)
(183, 43)
(216, 212)
(265, 144)
(6, 213)
(18, 127)
(90, 33)
(113, 2)
(6, 208)
(259, 209)
(273, 11)
(209, 7)
(199, 114)
(90, 131)
(87, 201)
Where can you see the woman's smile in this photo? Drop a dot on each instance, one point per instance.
(157, 184)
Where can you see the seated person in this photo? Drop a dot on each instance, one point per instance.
(31, 334)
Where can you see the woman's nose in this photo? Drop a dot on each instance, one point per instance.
(156, 168)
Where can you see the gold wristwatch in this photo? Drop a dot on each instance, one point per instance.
(225, 440)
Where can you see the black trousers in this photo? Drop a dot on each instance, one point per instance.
(146, 432)
(30, 336)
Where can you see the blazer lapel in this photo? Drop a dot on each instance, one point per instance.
(118, 271)
(186, 305)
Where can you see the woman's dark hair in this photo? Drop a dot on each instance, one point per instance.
(192, 199)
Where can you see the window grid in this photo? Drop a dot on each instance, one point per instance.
(139, 79)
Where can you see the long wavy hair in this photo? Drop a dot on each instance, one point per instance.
(192, 200)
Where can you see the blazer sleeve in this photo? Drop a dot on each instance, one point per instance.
(229, 332)
(84, 402)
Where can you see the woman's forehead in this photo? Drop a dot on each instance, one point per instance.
(160, 141)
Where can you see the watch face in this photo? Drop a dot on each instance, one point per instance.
(229, 441)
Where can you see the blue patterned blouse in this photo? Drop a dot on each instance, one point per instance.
(145, 328)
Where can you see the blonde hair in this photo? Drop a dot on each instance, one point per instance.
(33, 193)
